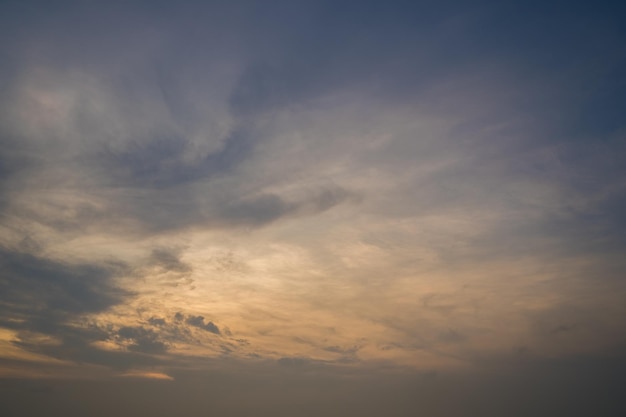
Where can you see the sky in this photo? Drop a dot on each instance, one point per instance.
(342, 208)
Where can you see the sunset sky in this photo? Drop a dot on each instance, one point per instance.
(306, 208)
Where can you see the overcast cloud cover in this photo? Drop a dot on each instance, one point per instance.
(312, 208)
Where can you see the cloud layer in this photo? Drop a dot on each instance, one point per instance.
(312, 188)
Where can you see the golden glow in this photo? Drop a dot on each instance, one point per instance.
(147, 375)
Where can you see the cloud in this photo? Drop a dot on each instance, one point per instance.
(169, 260)
(156, 321)
(401, 154)
(142, 339)
(295, 362)
(40, 292)
(166, 160)
(147, 375)
(198, 321)
(47, 304)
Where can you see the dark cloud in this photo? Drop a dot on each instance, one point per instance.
(347, 355)
(43, 297)
(155, 163)
(156, 321)
(46, 298)
(160, 162)
(169, 260)
(198, 321)
(76, 346)
(176, 209)
(257, 210)
(39, 290)
(261, 209)
(142, 339)
(138, 344)
(156, 335)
